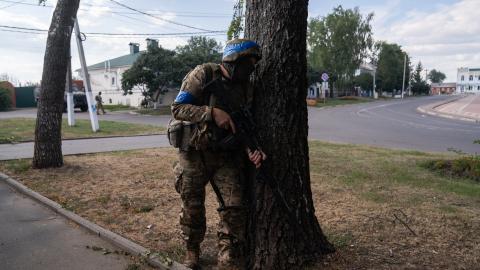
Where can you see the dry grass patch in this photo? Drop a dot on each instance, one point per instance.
(378, 206)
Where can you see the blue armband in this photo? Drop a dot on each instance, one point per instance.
(184, 97)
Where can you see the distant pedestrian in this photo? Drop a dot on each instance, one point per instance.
(98, 99)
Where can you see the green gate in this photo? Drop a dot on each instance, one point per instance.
(25, 97)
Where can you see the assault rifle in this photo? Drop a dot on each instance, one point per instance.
(247, 135)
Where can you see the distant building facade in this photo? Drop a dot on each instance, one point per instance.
(443, 88)
(106, 77)
(468, 80)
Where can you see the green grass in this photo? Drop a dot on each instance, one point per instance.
(375, 197)
(163, 110)
(118, 107)
(340, 240)
(329, 102)
(363, 168)
(18, 165)
(23, 129)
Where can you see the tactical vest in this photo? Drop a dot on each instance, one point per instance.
(218, 93)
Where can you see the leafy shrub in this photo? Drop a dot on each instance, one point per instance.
(5, 100)
(468, 167)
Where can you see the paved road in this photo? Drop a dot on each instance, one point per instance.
(34, 237)
(395, 124)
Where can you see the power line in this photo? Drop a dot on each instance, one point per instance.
(177, 13)
(159, 18)
(12, 4)
(38, 31)
(129, 37)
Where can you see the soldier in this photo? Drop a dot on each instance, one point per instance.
(98, 99)
(206, 96)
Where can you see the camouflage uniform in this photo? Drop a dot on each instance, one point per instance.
(201, 164)
(98, 99)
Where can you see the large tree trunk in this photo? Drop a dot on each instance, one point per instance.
(48, 141)
(277, 242)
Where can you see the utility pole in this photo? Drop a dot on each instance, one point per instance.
(92, 108)
(68, 90)
(404, 72)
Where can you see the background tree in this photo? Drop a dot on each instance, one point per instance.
(236, 25)
(5, 99)
(364, 80)
(436, 76)
(390, 67)
(198, 50)
(158, 68)
(48, 141)
(418, 85)
(281, 113)
(153, 71)
(340, 42)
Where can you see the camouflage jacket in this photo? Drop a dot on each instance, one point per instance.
(194, 102)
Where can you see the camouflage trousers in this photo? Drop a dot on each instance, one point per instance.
(193, 172)
(100, 107)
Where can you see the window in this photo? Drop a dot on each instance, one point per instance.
(113, 80)
(463, 78)
(470, 78)
(478, 88)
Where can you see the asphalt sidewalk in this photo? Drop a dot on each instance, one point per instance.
(84, 146)
(33, 236)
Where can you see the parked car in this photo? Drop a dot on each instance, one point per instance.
(79, 98)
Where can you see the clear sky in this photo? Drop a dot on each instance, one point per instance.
(443, 34)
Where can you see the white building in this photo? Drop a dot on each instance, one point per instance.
(468, 80)
(106, 77)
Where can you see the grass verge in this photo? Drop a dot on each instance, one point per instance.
(380, 207)
(332, 102)
(466, 166)
(23, 129)
(163, 110)
(117, 107)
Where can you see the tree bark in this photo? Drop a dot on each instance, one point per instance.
(48, 141)
(280, 27)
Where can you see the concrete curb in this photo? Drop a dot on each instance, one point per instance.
(153, 259)
(430, 110)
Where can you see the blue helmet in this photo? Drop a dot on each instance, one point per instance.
(239, 48)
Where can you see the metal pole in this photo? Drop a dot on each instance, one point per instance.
(92, 108)
(404, 71)
(69, 91)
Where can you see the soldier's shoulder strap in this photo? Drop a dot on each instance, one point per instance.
(211, 78)
(210, 74)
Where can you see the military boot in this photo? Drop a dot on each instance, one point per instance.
(192, 259)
